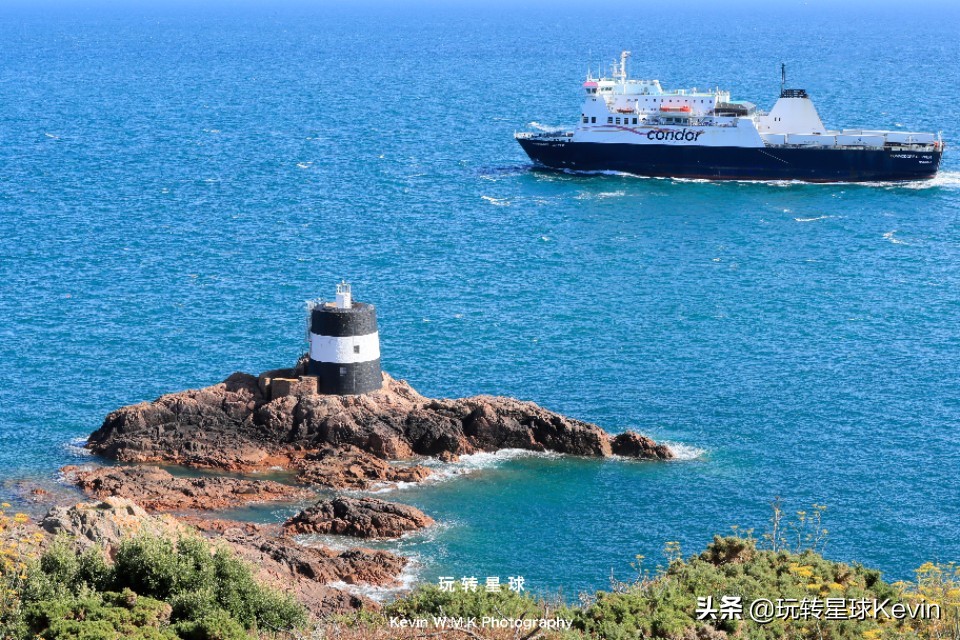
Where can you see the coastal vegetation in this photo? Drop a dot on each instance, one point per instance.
(153, 587)
(784, 563)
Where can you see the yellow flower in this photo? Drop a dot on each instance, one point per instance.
(801, 570)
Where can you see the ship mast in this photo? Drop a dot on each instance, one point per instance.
(623, 66)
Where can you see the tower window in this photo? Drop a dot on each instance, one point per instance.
(343, 371)
(356, 348)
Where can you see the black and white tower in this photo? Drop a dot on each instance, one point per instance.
(344, 345)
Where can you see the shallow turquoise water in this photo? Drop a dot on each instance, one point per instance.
(175, 183)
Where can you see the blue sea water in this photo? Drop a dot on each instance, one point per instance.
(176, 181)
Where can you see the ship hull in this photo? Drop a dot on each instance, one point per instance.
(735, 163)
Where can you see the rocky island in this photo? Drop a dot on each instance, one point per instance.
(278, 421)
(333, 422)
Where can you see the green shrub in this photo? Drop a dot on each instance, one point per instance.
(199, 582)
(430, 600)
(214, 625)
(91, 615)
(156, 588)
(664, 606)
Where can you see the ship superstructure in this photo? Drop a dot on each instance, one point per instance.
(637, 126)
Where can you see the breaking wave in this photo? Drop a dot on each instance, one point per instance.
(944, 180)
(497, 202)
(890, 235)
(466, 465)
(406, 579)
(76, 449)
(685, 452)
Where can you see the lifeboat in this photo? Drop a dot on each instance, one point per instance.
(679, 109)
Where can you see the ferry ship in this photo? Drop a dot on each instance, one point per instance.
(638, 127)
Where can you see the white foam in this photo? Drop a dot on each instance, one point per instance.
(943, 180)
(547, 128)
(498, 202)
(812, 219)
(586, 172)
(77, 449)
(889, 235)
(685, 452)
(406, 580)
(603, 195)
(467, 464)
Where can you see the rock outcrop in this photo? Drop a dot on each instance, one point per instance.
(351, 468)
(634, 445)
(234, 426)
(361, 517)
(319, 577)
(107, 522)
(309, 571)
(158, 490)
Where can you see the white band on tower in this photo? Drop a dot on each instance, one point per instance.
(345, 350)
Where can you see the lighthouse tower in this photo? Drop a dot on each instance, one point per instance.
(344, 345)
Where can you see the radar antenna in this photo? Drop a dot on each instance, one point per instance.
(623, 65)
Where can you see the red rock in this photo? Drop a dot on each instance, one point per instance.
(158, 490)
(308, 571)
(353, 468)
(233, 426)
(634, 445)
(361, 517)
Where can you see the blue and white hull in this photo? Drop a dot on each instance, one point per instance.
(733, 163)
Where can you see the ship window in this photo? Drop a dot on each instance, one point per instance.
(634, 121)
(609, 120)
(584, 119)
(618, 120)
(593, 120)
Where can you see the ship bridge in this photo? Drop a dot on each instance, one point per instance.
(607, 98)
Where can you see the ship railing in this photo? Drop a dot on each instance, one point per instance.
(543, 135)
(854, 147)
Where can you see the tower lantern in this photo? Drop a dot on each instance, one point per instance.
(344, 345)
